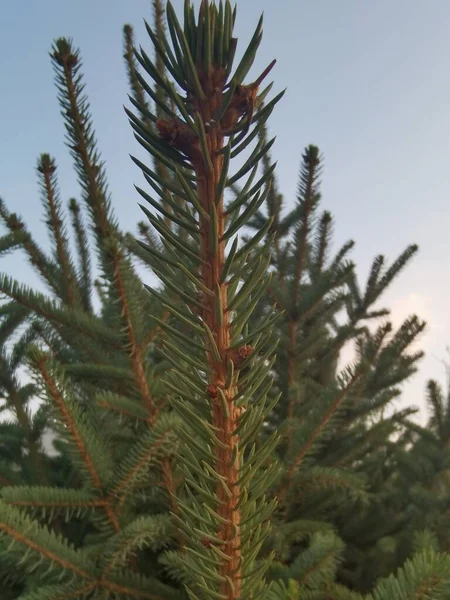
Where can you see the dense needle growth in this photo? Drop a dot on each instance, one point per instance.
(207, 443)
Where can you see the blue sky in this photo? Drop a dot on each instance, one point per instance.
(368, 82)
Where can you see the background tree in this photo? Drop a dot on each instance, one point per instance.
(112, 393)
(334, 432)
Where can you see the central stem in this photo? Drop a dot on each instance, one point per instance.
(224, 419)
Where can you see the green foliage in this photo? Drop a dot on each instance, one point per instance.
(190, 460)
(425, 576)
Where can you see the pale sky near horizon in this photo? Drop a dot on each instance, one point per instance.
(368, 82)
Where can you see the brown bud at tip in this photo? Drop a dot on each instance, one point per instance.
(243, 103)
(245, 351)
(180, 136)
(238, 356)
(212, 391)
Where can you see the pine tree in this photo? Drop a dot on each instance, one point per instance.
(211, 127)
(103, 355)
(163, 399)
(64, 375)
(334, 433)
(419, 484)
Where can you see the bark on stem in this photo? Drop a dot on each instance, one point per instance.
(225, 420)
(59, 237)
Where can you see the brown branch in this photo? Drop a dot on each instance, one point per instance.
(122, 411)
(226, 468)
(50, 316)
(208, 165)
(141, 377)
(122, 485)
(161, 169)
(33, 446)
(170, 486)
(225, 421)
(291, 356)
(72, 427)
(301, 256)
(95, 194)
(47, 167)
(136, 354)
(42, 550)
(35, 255)
(134, 82)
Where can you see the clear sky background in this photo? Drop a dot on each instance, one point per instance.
(368, 82)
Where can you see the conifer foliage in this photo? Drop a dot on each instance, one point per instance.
(181, 437)
(333, 439)
(115, 473)
(218, 116)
